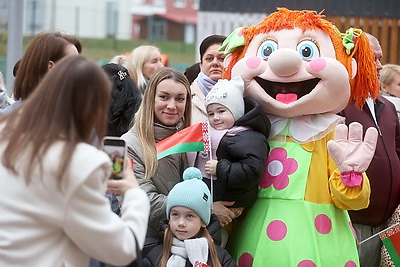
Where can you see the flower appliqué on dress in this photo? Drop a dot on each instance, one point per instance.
(278, 167)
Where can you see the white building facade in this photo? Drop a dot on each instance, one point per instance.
(106, 18)
(84, 18)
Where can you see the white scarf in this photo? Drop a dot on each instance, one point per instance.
(303, 129)
(190, 249)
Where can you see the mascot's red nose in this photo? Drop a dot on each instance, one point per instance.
(285, 62)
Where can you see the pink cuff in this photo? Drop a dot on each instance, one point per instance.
(351, 178)
(200, 264)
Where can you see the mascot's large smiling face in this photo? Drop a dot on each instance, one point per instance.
(294, 63)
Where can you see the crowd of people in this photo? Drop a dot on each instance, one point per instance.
(178, 210)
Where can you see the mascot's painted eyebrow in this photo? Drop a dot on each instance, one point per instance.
(269, 38)
(312, 39)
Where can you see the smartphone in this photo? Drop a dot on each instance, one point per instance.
(115, 147)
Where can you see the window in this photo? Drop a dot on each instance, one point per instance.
(180, 3)
(159, 2)
(159, 30)
(196, 4)
(112, 19)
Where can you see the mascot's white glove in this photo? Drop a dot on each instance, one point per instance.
(351, 154)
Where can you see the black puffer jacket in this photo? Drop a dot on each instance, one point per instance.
(241, 158)
(153, 258)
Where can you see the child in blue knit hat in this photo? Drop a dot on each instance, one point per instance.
(186, 239)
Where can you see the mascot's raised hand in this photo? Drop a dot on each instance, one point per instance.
(351, 153)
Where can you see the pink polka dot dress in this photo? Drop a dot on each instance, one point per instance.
(295, 220)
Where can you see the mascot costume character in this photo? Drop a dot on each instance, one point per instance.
(303, 71)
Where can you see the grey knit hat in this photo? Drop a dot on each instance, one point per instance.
(228, 93)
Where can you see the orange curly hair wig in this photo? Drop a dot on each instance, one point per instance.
(363, 85)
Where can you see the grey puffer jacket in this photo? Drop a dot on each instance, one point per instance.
(169, 172)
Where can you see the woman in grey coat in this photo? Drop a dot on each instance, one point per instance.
(165, 109)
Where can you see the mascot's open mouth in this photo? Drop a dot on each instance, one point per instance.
(287, 92)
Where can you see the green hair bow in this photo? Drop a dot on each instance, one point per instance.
(349, 37)
(233, 41)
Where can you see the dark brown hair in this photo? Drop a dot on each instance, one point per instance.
(192, 72)
(69, 105)
(209, 41)
(125, 99)
(44, 47)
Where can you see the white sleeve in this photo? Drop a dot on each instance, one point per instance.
(95, 229)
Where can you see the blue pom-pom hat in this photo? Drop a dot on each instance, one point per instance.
(191, 193)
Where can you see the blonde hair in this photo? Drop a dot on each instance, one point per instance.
(388, 72)
(168, 237)
(127, 63)
(139, 56)
(144, 118)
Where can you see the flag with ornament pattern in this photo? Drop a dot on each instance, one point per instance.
(190, 139)
(391, 240)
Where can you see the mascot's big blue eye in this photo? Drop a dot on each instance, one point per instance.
(308, 49)
(266, 48)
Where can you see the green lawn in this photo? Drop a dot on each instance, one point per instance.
(180, 55)
(177, 52)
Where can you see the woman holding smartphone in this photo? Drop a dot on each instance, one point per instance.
(52, 180)
(165, 109)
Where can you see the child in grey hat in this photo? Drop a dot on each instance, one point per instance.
(238, 136)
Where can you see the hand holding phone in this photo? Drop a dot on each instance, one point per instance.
(115, 147)
(119, 187)
(122, 176)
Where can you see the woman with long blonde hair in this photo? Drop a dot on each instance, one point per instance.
(165, 110)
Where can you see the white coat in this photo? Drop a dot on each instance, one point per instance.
(41, 225)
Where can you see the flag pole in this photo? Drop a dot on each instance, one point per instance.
(372, 236)
(211, 176)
